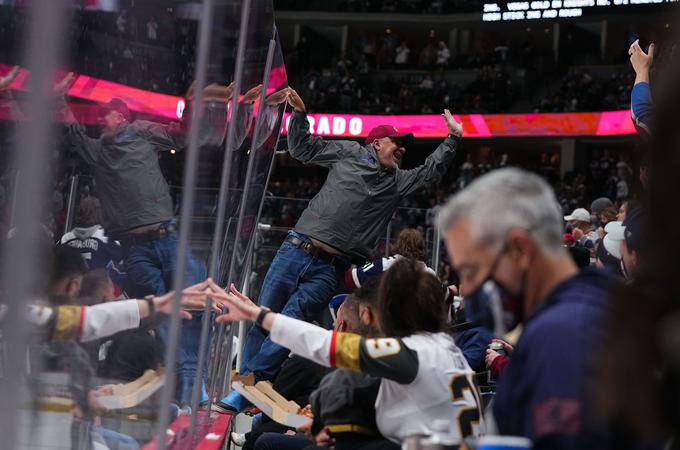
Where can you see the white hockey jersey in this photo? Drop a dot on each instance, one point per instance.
(424, 376)
(443, 388)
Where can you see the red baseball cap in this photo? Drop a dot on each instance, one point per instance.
(383, 131)
(116, 104)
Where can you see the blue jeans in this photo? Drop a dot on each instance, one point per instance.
(150, 267)
(114, 440)
(84, 434)
(297, 285)
(277, 441)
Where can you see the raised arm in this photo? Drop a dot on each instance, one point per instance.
(86, 323)
(163, 136)
(245, 119)
(75, 133)
(641, 105)
(301, 144)
(6, 98)
(386, 358)
(436, 165)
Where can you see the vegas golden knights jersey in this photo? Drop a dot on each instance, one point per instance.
(424, 376)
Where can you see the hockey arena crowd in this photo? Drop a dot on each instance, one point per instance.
(550, 321)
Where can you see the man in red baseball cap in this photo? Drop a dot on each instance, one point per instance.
(138, 207)
(389, 144)
(112, 115)
(341, 225)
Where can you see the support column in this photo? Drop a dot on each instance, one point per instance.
(296, 34)
(344, 31)
(453, 42)
(464, 42)
(556, 42)
(603, 39)
(567, 154)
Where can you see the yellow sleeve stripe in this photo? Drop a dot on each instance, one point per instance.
(69, 323)
(345, 351)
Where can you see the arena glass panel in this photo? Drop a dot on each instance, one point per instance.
(27, 224)
(105, 170)
(256, 28)
(262, 149)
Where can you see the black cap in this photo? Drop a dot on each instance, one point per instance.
(634, 225)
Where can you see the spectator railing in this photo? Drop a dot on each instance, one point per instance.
(279, 214)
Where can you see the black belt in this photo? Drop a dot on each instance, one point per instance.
(338, 261)
(162, 231)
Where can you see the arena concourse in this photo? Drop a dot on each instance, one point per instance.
(345, 224)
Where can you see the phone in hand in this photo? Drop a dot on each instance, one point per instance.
(632, 37)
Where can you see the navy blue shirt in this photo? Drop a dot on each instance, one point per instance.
(545, 392)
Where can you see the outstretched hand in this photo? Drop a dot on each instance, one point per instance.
(252, 95)
(291, 96)
(195, 301)
(277, 97)
(6, 81)
(295, 101)
(455, 128)
(239, 306)
(640, 60)
(213, 92)
(62, 88)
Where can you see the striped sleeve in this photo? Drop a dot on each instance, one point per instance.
(106, 319)
(302, 338)
(68, 325)
(385, 357)
(83, 323)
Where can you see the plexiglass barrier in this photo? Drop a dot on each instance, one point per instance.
(105, 198)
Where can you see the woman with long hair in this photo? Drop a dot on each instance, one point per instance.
(424, 375)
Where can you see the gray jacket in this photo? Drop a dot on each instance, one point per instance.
(131, 186)
(129, 180)
(353, 208)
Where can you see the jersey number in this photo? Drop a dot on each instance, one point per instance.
(469, 415)
(379, 348)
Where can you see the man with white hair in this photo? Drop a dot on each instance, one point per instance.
(506, 229)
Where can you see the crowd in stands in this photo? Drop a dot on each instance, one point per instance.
(580, 91)
(411, 352)
(383, 74)
(606, 175)
(145, 46)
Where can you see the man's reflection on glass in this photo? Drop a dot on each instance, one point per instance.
(137, 206)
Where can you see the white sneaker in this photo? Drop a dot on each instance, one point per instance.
(238, 438)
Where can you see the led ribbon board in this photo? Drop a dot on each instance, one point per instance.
(169, 107)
